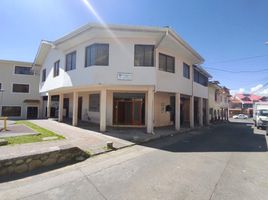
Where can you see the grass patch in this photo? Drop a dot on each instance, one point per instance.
(32, 138)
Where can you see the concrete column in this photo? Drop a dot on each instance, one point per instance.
(200, 111)
(191, 112)
(177, 112)
(48, 105)
(60, 115)
(150, 111)
(207, 112)
(75, 108)
(103, 102)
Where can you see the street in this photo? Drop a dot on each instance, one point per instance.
(225, 161)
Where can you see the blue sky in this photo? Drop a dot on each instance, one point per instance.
(229, 34)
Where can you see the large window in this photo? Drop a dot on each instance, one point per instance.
(11, 111)
(44, 75)
(21, 88)
(97, 54)
(70, 61)
(144, 55)
(23, 70)
(94, 102)
(166, 63)
(186, 71)
(56, 70)
(200, 78)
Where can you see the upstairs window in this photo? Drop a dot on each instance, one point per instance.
(200, 78)
(44, 75)
(166, 63)
(70, 61)
(20, 88)
(97, 54)
(144, 55)
(56, 69)
(23, 70)
(186, 71)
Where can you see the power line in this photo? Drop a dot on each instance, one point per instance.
(242, 71)
(239, 59)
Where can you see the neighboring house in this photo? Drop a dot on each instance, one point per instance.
(243, 103)
(218, 101)
(19, 92)
(124, 76)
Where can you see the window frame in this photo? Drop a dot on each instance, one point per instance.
(165, 69)
(94, 108)
(144, 63)
(23, 85)
(186, 66)
(12, 115)
(44, 75)
(72, 54)
(88, 61)
(30, 74)
(56, 68)
(200, 78)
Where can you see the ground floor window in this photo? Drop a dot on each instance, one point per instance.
(129, 109)
(94, 102)
(11, 111)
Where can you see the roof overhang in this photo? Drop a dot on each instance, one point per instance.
(202, 71)
(42, 52)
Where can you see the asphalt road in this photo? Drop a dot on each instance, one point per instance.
(224, 162)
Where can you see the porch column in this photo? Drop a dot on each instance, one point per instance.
(178, 111)
(48, 105)
(200, 111)
(103, 97)
(60, 117)
(191, 111)
(207, 112)
(75, 108)
(150, 111)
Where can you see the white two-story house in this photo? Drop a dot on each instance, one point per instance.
(19, 91)
(123, 76)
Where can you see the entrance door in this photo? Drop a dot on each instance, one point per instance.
(79, 111)
(66, 106)
(172, 111)
(32, 112)
(128, 112)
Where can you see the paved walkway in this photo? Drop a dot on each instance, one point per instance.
(87, 140)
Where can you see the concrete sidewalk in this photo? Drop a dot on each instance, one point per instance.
(90, 141)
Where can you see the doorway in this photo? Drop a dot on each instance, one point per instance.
(129, 109)
(66, 107)
(79, 111)
(32, 112)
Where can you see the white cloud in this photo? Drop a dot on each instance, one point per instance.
(257, 87)
(240, 90)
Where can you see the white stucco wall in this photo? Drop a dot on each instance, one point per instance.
(8, 78)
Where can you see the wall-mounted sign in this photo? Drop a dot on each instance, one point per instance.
(124, 76)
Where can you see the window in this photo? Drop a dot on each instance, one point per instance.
(21, 88)
(70, 61)
(200, 78)
(186, 71)
(23, 70)
(0, 86)
(11, 111)
(44, 75)
(216, 95)
(144, 55)
(97, 54)
(94, 102)
(56, 70)
(166, 63)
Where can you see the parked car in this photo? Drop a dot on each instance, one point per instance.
(240, 116)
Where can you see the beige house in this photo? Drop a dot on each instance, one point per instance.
(19, 91)
(123, 76)
(218, 101)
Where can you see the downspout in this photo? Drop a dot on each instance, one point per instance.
(156, 47)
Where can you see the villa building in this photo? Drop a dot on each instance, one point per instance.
(123, 76)
(19, 91)
(218, 101)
